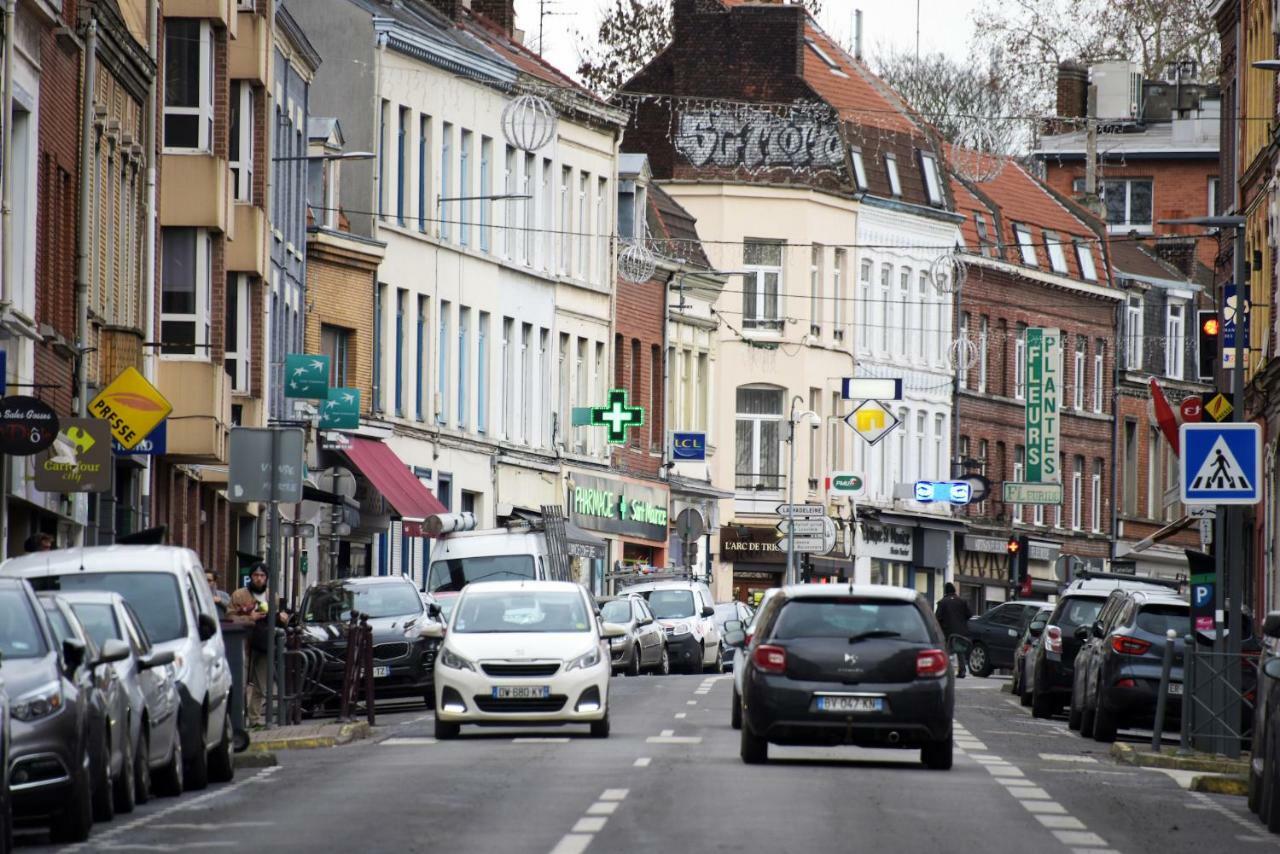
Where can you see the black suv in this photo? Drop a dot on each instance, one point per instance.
(1117, 670)
(995, 635)
(1052, 672)
(858, 664)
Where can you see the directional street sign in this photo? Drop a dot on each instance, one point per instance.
(871, 388)
(1221, 463)
(809, 544)
(812, 535)
(797, 510)
(872, 420)
(306, 376)
(803, 527)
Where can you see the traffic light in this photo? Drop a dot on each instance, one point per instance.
(1017, 549)
(1209, 327)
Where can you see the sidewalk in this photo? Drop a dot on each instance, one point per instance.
(307, 736)
(1207, 772)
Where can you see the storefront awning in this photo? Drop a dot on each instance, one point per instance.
(391, 477)
(583, 543)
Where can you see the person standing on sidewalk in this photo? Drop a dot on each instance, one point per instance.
(953, 615)
(249, 605)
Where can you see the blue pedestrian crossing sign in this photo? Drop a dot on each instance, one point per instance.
(1221, 463)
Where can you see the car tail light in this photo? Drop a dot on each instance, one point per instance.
(1130, 646)
(1126, 683)
(1053, 639)
(771, 659)
(747, 640)
(932, 662)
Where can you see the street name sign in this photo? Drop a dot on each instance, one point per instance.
(1044, 382)
(794, 511)
(870, 388)
(1017, 492)
(803, 527)
(808, 543)
(132, 406)
(1221, 463)
(255, 452)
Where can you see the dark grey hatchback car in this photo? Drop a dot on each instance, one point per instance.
(858, 664)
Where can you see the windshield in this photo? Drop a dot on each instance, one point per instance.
(99, 622)
(850, 618)
(669, 604)
(153, 595)
(20, 635)
(446, 604)
(1158, 619)
(522, 611)
(617, 611)
(57, 621)
(334, 604)
(1077, 611)
(456, 573)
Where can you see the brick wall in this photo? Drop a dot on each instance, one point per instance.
(340, 291)
(639, 320)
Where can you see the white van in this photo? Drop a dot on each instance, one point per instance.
(168, 591)
(462, 555)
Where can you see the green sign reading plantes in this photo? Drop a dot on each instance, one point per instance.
(1044, 384)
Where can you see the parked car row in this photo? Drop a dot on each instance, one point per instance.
(116, 685)
(1264, 758)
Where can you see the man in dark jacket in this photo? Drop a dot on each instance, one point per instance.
(953, 615)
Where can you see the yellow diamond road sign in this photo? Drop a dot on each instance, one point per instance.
(131, 406)
(872, 420)
(1218, 408)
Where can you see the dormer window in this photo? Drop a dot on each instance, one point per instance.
(1025, 244)
(891, 166)
(822, 54)
(932, 181)
(984, 236)
(859, 170)
(632, 198)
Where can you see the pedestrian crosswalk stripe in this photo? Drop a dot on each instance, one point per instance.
(395, 742)
(1220, 470)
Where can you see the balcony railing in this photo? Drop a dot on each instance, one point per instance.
(750, 481)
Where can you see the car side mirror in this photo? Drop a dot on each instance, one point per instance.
(708, 611)
(434, 611)
(113, 650)
(1096, 629)
(1272, 668)
(159, 658)
(1271, 625)
(72, 654)
(207, 626)
(1081, 633)
(645, 621)
(732, 626)
(608, 631)
(431, 630)
(735, 637)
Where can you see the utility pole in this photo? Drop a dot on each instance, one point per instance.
(1092, 200)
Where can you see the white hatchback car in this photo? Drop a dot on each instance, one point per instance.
(517, 653)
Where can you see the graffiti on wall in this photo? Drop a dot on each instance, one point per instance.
(802, 136)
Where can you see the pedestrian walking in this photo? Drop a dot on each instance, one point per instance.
(249, 605)
(953, 615)
(221, 598)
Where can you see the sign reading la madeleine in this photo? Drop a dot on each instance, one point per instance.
(1044, 384)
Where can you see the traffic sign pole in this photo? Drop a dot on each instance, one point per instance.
(1227, 699)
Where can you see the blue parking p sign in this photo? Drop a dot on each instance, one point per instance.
(1221, 463)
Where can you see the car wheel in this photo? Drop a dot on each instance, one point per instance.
(1255, 787)
(124, 789)
(754, 749)
(1269, 800)
(937, 755)
(1104, 723)
(1087, 718)
(1024, 697)
(735, 712)
(979, 661)
(104, 806)
(664, 663)
(142, 769)
(1042, 705)
(600, 728)
(74, 823)
(196, 773)
(633, 669)
(170, 780)
(221, 768)
(718, 665)
(446, 730)
(429, 698)
(1075, 714)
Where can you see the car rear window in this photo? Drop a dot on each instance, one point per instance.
(849, 618)
(154, 597)
(1077, 611)
(1158, 619)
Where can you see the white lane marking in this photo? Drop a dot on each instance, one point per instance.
(970, 745)
(1231, 814)
(1068, 757)
(1010, 771)
(210, 826)
(1094, 851)
(994, 760)
(407, 741)
(643, 762)
(674, 739)
(1015, 703)
(667, 732)
(572, 843)
(681, 715)
(603, 808)
(691, 702)
(1062, 822)
(1044, 807)
(1080, 838)
(540, 740)
(1030, 793)
(615, 794)
(589, 825)
(1243, 837)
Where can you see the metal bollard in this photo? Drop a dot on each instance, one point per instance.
(1162, 699)
(1188, 691)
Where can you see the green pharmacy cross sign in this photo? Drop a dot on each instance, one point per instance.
(618, 417)
(306, 376)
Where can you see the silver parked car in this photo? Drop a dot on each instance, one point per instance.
(149, 685)
(644, 646)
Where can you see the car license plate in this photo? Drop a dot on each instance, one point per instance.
(379, 672)
(1175, 688)
(850, 704)
(521, 692)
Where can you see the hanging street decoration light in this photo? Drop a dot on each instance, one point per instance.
(529, 122)
(974, 156)
(962, 354)
(948, 272)
(636, 263)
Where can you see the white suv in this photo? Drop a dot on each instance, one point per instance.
(685, 611)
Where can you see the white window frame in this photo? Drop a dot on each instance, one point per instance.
(1212, 191)
(1133, 333)
(201, 317)
(753, 278)
(816, 276)
(203, 110)
(1128, 224)
(963, 367)
(1026, 244)
(1095, 498)
(1020, 364)
(1079, 369)
(839, 258)
(243, 190)
(566, 220)
(983, 330)
(859, 169)
(866, 270)
(1057, 258)
(932, 181)
(760, 479)
(891, 167)
(1077, 496)
(1099, 384)
(584, 242)
(1175, 336)
(241, 348)
(1084, 255)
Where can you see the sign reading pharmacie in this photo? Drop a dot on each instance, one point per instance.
(1044, 385)
(618, 507)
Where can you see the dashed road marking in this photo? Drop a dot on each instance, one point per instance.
(539, 740)
(406, 741)
(643, 762)
(674, 739)
(593, 824)
(1068, 757)
(1081, 838)
(1062, 822)
(572, 843)
(614, 794)
(667, 732)
(1045, 807)
(603, 808)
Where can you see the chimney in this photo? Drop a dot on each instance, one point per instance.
(857, 34)
(500, 12)
(1178, 253)
(450, 8)
(1073, 89)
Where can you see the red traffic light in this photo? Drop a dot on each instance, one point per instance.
(1012, 546)
(1210, 326)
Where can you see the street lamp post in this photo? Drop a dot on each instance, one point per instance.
(814, 420)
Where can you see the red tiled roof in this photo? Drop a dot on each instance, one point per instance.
(852, 91)
(518, 55)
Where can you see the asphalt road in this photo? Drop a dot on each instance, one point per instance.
(669, 780)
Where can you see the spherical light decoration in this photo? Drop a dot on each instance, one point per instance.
(962, 354)
(636, 263)
(975, 157)
(529, 122)
(948, 272)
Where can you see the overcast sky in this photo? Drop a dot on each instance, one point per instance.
(945, 25)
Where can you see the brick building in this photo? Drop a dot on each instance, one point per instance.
(1034, 260)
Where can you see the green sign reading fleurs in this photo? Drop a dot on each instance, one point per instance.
(1044, 382)
(342, 410)
(306, 376)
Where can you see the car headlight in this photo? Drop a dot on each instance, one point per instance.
(618, 641)
(450, 659)
(588, 659)
(681, 629)
(40, 703)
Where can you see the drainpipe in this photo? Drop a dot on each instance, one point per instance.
(86, 211)
(149, 246)
(6, 175)
(1115, 427)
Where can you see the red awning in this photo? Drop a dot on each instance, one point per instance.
(391, 477)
